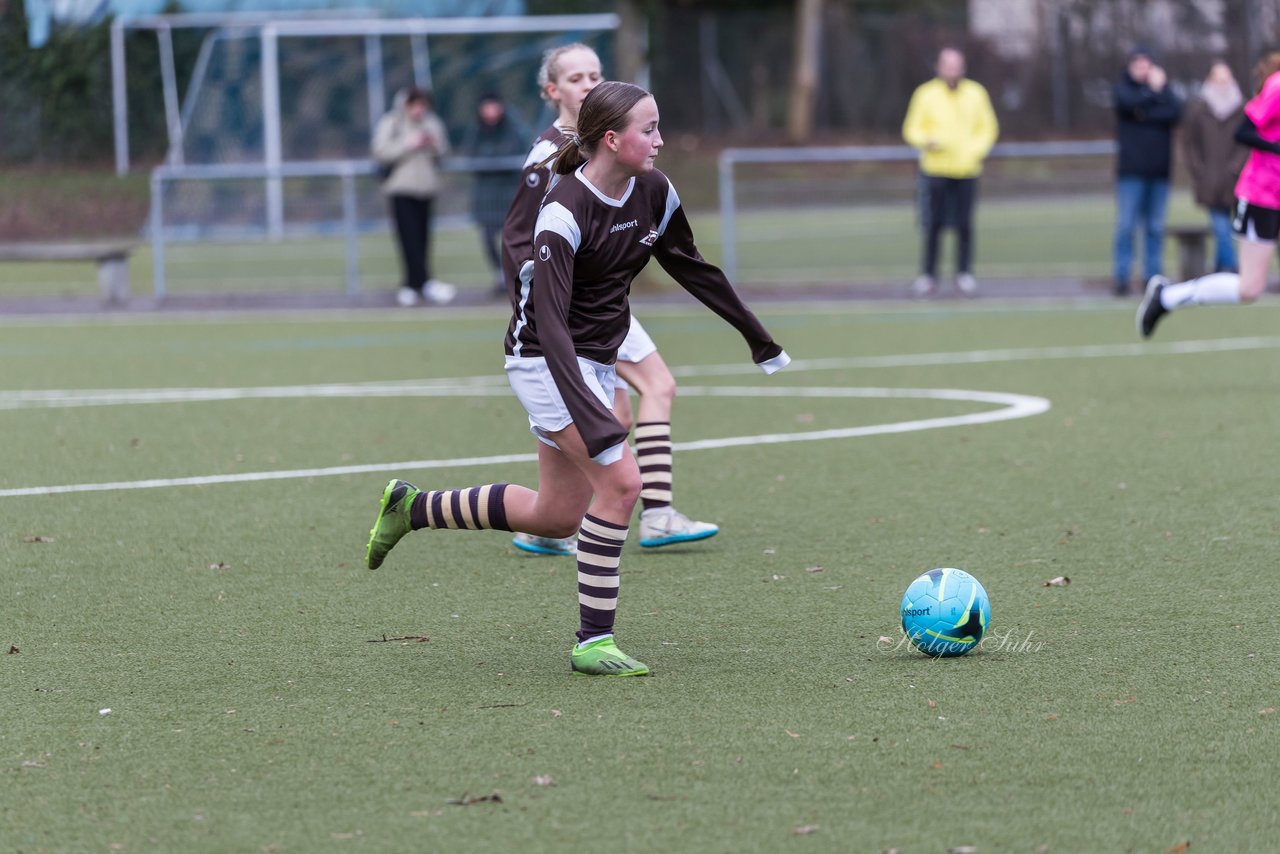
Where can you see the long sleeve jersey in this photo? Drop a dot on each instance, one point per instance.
(1260, 181)
(573, 295)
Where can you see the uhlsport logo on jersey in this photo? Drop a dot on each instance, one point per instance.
(543, 252)
(533, 179)
(650, 238)
(623, 226)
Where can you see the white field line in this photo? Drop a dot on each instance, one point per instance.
(1023, 354)
(1011, 406)
(496, 385)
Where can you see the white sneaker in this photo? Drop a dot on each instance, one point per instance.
(967, 284)
(545, 545)
(924, 286)
(408, 297)
(665, 526)
(438, 292)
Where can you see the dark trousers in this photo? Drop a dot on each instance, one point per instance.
(947, 202)
(413, 232)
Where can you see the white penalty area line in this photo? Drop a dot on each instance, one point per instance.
(1011, 406)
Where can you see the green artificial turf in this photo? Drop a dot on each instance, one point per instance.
(268, 693)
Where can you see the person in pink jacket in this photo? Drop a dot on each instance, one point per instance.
(1256, 220)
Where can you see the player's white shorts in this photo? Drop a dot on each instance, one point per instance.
(637, 345)
(531, 380)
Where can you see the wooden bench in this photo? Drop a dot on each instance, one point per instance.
(112, 260)
(1193, 253)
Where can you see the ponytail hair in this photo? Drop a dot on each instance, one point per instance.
(605, 108)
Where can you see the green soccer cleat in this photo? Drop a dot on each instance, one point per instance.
(603, 658)
(392, 522)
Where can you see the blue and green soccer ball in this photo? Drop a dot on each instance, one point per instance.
(945, 612)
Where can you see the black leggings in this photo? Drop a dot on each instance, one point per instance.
(412, 217)
(948, 201)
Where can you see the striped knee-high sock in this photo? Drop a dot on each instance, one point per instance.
(599, 551)
(653, 455)
(473, 508)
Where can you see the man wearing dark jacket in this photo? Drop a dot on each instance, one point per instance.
(1146, 112)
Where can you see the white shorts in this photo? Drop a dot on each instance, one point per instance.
(637, 345)
(536, 389)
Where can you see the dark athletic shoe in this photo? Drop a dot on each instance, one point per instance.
(1151, 309)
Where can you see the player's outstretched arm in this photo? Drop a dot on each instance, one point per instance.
(679, 256)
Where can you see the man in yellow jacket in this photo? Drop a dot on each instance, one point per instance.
(951, 121)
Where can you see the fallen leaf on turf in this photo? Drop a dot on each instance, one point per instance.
(804, 829)
(792, 734)
(1060, 581)
(813, 569)
(932, 705)
(885, 639)
(467, 800)
(13, 650)
(937, 766)
(555, 713)
(220, 566)
(543, 780)
(36, 538)
(1181, 847)
(1126, 701)
(1269, 710)
(1050, 717)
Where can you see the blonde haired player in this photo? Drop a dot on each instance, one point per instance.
(567, 74)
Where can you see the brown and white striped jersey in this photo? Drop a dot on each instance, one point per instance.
(517, 228)
(573, 297)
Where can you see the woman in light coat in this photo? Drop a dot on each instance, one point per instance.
(409, 142)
